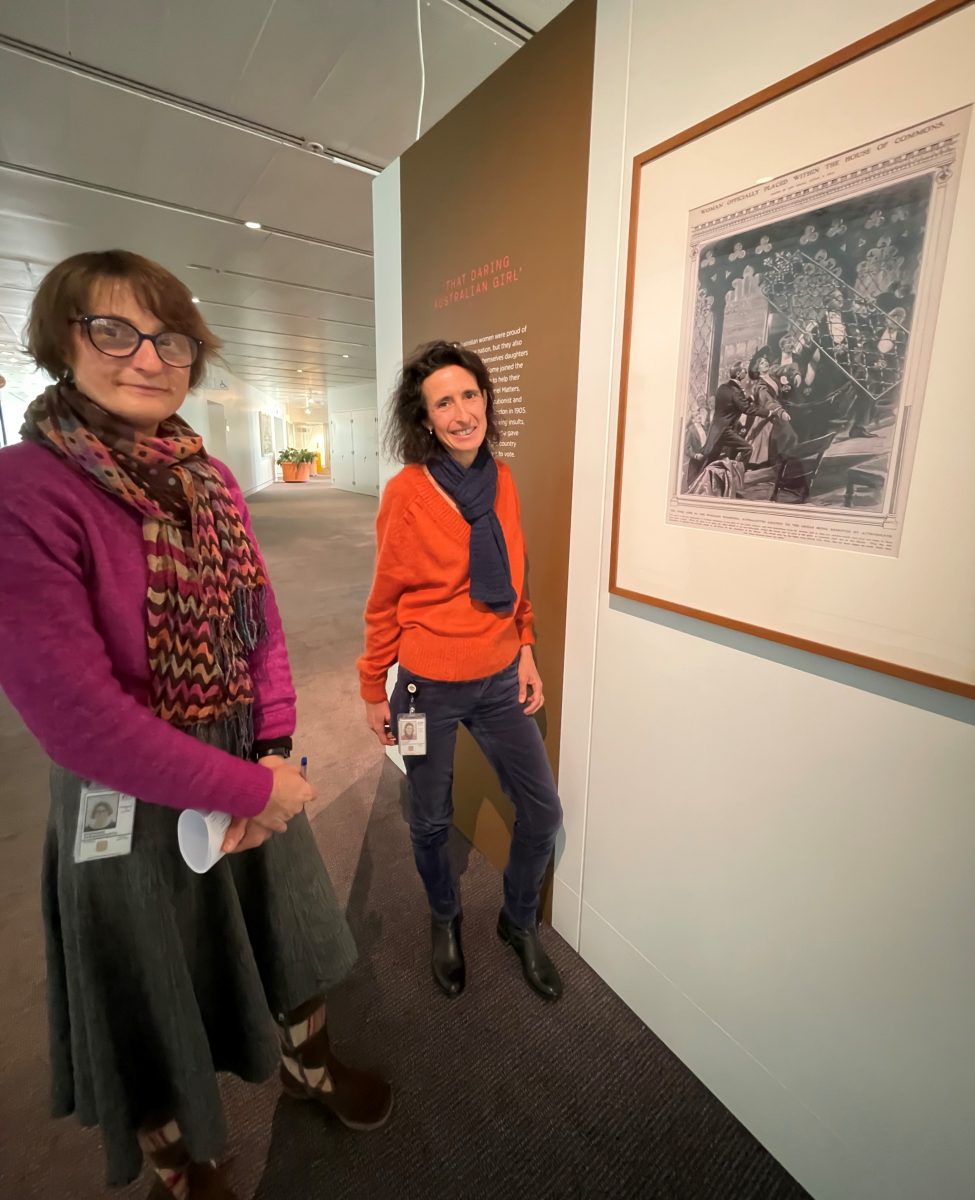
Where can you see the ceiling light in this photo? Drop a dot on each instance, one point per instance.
(196, 299)
(300, 371)
(345, 356)
(342, 161)
(252, 224)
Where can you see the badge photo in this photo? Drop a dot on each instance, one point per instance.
(105, 823)
(412, 733)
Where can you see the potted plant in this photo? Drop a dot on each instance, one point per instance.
(305, 459)
(288, 462)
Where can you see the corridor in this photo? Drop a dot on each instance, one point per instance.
(498, 1095)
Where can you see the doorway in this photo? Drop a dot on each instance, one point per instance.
(216, 442)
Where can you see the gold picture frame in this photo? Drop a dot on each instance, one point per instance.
(846, 245)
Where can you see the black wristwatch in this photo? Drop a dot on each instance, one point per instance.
(280, 747)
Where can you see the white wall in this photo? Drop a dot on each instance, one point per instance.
(24, 382)
(354, 438)
(387, 242)
(388, 290)
(241, 403)
(767, 854)
(353, 397)
(353, 424)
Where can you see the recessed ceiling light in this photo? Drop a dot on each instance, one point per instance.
(300, 371)
(345, 356)
(252, 224)
(196, 299)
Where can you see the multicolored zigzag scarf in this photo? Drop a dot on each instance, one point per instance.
(205, 597)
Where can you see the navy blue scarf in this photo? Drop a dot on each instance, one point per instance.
(473, 490)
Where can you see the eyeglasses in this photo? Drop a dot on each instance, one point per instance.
(121, 339)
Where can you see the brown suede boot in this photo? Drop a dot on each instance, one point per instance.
(310, 1071)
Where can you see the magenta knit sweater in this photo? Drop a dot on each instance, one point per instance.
(73, 657)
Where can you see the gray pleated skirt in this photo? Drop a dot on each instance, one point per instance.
(158, 977)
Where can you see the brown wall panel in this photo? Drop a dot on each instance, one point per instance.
(493, 226)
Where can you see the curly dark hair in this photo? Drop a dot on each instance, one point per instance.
(407, 438)
(760, 353)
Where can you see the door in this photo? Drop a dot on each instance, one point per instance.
(365, 444)
(343, 457)
(216, 441)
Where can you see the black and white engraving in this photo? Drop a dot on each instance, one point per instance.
(810, 310)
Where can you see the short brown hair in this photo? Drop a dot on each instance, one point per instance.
(407, 438)
(66, 290)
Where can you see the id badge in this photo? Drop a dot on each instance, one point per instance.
(105, 823)
(412, 733)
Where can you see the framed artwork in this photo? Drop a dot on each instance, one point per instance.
(795, 427)
(267, 445)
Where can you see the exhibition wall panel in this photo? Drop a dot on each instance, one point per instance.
(493, 202)
(770, 858)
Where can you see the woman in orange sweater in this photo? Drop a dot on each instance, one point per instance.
(448, 603)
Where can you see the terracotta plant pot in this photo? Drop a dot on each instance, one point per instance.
(290, 472)
(304, 472)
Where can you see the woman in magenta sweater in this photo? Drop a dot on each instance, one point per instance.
(141, 644)
(448, 603)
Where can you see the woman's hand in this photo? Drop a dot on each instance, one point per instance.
(244, 835)
(529, 682)
(378, 719)
(290, 793)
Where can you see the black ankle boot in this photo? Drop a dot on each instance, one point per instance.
(538, 968)
(448, 957)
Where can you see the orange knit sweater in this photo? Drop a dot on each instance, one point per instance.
(420, 611)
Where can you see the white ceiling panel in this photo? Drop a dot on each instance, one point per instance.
(460, 54)
(124, 141)
(308, 194)
(535, 13)
(344, 73)
(44, 221)
(223, 291)
(300, 47)
(261, 58)
(136, 145)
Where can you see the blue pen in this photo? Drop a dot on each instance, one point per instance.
(304, 767)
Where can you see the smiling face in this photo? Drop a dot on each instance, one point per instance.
(456, 412)
(142, 390)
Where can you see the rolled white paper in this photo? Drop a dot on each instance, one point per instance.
(201, 836)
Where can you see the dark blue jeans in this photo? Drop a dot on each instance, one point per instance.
(511, 741)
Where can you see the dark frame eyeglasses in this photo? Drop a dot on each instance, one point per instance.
(173, 349)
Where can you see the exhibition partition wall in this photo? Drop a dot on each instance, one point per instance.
(771, 860)
(493, 203)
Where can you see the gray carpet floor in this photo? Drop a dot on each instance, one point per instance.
(498, 1094)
